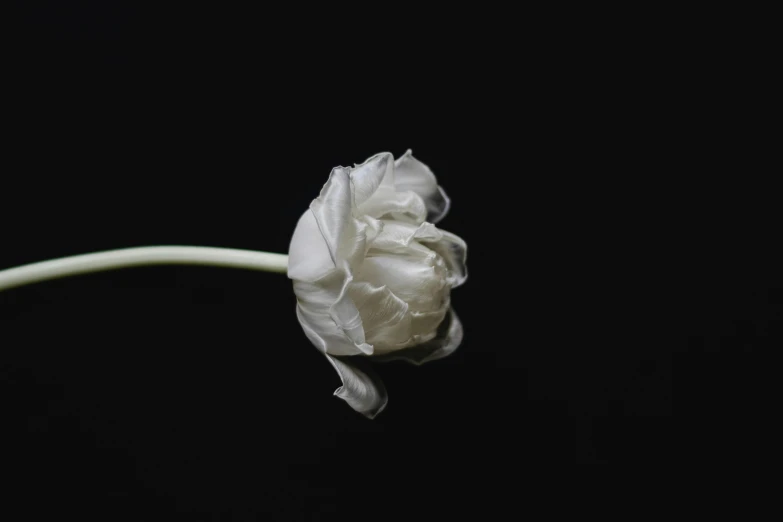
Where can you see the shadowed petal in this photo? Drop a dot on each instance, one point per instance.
(447, 340)
(361, 389)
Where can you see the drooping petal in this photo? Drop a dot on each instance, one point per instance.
(454, 252)
(412, 174)
(308, 255)
(367, 177)
(361, 389)
(447, 340)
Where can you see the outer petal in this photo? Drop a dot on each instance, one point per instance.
(326, 336)
(333, 211)
(412, 174)
(327, 303)
(361, 389)
(447, 340)
(321, 287)
(367, 177)
(308, 255)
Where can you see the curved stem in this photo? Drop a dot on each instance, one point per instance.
(130, 257)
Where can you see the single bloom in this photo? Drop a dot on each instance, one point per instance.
(373, 275)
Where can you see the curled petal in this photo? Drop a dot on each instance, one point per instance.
(454, 252)
(412, 174)
(367, 177)
(361, 389)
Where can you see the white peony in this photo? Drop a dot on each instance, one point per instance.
(373, 275)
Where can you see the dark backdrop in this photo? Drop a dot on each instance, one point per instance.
(612, 328)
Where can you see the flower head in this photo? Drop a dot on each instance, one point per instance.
(373, 275)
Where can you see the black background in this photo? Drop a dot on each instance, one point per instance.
(613, 325)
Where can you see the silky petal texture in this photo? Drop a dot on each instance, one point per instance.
(308, 256)
(361, 389)
(448, 339)
(325, 335)
(404, 206)
(333, 210)
(416, 283)
(327, 298)
(370, 175)
(373, 275)
(378, 306)
(454, 252)
(411, 174)
(399, 237)
(346, 241)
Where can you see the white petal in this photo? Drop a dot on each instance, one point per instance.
(415, 282)
(405, 206)
(346, 315)
(367, 177)
(333, 211)
(398, 236)
(454, 251)
(426, 323)
(308, 254)
(393, 337)
(412, 174)
(362, 390)
(319, 295)
(378, 306)
(326, 336)
(449, 337)
(334, 314)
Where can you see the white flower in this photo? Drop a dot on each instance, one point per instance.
(372, 277)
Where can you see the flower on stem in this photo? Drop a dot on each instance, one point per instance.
(373, 275)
